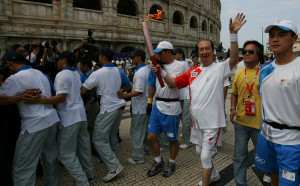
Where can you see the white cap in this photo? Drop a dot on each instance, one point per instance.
(163, 45)
(283, 24)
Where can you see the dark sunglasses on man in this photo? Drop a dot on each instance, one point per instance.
(251, 52)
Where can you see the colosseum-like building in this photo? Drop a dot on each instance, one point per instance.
(117, 23)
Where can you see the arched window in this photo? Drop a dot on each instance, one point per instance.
(127, 7)
(127, 49)
(193, 22)
(90, 4)
(211, 29)
(41, 1)
(153, 10)
(204, 26)
(178, 18)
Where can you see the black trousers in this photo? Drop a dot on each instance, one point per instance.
(10, 124)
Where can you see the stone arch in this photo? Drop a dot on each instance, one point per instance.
(41, 1)
(153, 9)
(211, 29)
(90, 4)
(127, 7)
(193, 22)
(178, 18)
(204, 26)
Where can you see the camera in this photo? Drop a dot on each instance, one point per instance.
(90, 38)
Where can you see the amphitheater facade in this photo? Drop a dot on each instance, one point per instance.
(117, 23)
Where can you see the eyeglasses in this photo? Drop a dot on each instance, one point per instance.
(251, 52)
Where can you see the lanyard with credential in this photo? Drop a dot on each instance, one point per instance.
(250, 88)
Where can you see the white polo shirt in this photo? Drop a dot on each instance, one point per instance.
(139, 103)
(108, 81)
(184, 93)
(34, 117)
(207, 96)
(71, 110)
(280, 98)
(175, 69)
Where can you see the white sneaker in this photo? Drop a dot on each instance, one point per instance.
(267, 178)
(184, 146)
(212, 179)
(134, 162)
(214, 152)
(113, 173)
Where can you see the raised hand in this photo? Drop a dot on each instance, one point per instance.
(237, 23)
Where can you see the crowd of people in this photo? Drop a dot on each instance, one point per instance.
(61, 106)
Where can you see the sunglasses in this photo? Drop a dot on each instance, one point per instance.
(251, 52)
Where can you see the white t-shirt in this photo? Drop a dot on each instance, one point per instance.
(175, 69)
(72, 109)
(32, 57)
(226, 82)
(207, 96)
(139, 103)
(184, 93)
(241, 65)
(108, 82)
(280, 98)
(34, 117)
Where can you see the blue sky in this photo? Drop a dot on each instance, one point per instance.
(259, 13)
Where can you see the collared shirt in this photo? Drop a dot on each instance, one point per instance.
(35, 117)
(88, 73)
(279, 88)
(174, 69)
(108, 81)
(184, 92)
(71, 110)
(139, 103)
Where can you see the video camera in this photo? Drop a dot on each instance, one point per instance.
(90, 38)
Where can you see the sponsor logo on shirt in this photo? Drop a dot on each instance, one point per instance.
(194, 74)
(288, 175)
(286, 83)
(61, 85)
(259, 160)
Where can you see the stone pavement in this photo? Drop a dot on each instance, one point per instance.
(188, 170)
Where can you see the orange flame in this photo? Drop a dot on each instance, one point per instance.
(157, 16)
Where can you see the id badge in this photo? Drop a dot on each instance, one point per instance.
(250, 107)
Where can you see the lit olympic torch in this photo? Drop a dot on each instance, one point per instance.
(151, 52)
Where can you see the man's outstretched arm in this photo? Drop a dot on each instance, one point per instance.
(234, 27)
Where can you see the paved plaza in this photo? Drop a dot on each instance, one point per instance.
(188, 170)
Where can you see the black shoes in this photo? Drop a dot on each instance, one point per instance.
(156, 168)
(170, 169)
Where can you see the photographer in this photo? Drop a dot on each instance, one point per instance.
(34, 49)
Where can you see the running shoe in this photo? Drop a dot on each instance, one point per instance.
(113, 173)
(156, 168)
(134, 162)
(212, 179)
(170, 169)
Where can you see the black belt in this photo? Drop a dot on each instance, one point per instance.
(280, 126)
(167, 99)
